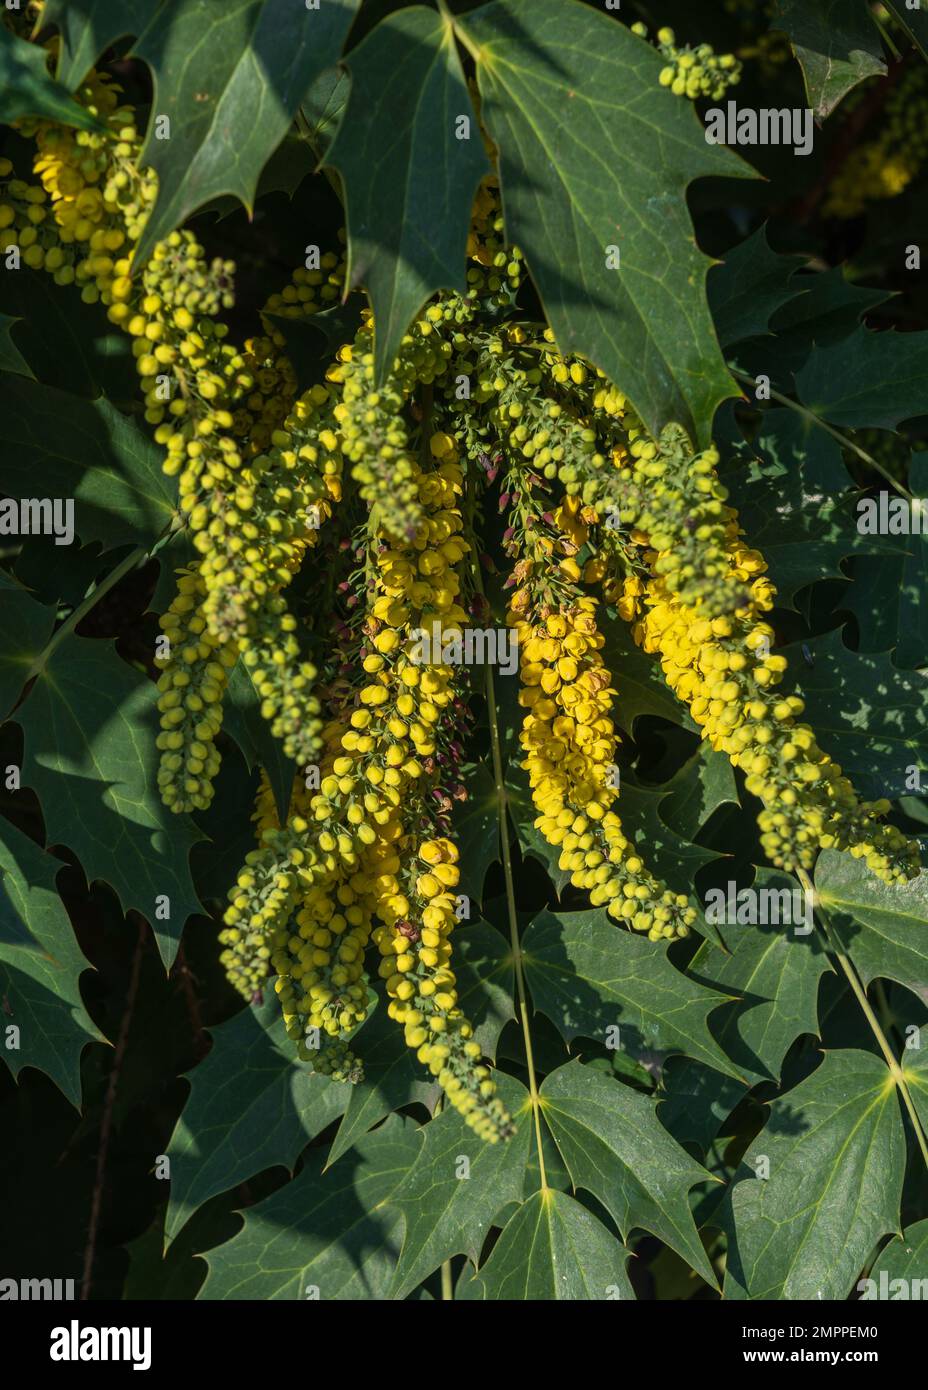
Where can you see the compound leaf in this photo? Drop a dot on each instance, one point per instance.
(392, 1076)
(867, 379)
(65, 342)
(796, 502)
(11, 359)
(252, 733)
(693, 795)
(445, 1212)
(637, 678)
(870, 716)
(614, 1146)
(749, 286)
(88, 451)
(915, 1067)
(887, 593)
(827, 307)
(476, 831)
(905, 1258)
(695, 1100)
(26, 627)
(776, 971)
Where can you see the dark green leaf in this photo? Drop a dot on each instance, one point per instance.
(11, 359)
(837, 44)
(455, 1188)
(551, 1249)
(796, 502)
(229, 78)
(533, 843)
(695, 1101)
(868, 379)
(483, 966)
(40, 967)
(913, 21)
(589, 976)
(313, 341)
(614, 1147)
(89, 726)
(87, 451)
(696, 791)
(888, 591)
(915, 1066)
(871, 717)
(905, 1258)
(594, 153)
(409, 179)
(288, 166)
(476, 832)
(323, 106)
(751, 284)
(637, 679)
(669, 855)
(252, 1106)
(776, 971)
(28, 89)
(392, 1077)
(836, 1153)
(883, 928)
(25, 627)
(827, 307)
(67, 343)
(327, 1235)
(88, 27)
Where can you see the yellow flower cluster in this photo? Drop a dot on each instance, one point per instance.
(723, 669)
(321, 981)
(382, 760)
(373, 430)
(98, 197)
(693, 72)
(415, 963)
(570, 744)
(194, 673)
(496, 272)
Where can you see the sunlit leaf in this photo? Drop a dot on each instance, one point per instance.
(551, 1249)
(835, 1152)
(595, 154)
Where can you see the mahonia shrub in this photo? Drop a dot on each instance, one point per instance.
(463, 667)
